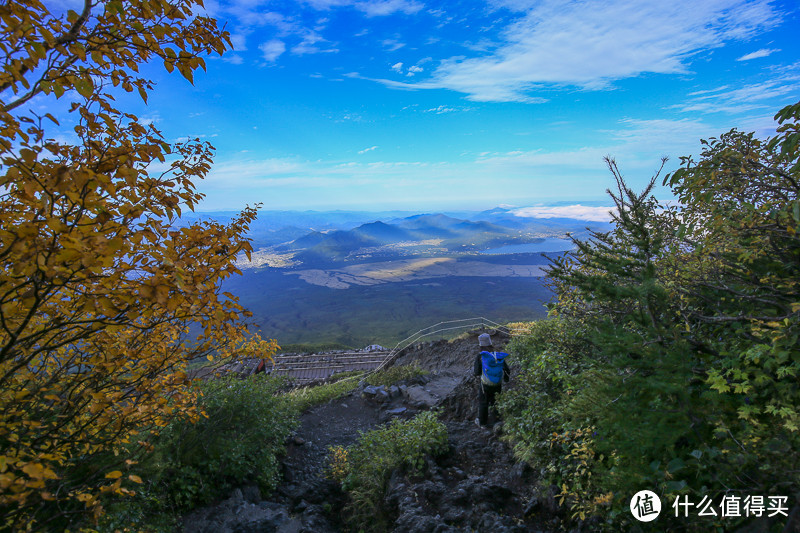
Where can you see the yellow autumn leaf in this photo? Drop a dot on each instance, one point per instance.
(34, 470)
(114, 475)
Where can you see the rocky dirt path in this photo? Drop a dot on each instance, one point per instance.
(476, 486)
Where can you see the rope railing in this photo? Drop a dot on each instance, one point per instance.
(435, 329)
(464, 323)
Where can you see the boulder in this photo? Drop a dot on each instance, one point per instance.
(421, 398)
(372, 390)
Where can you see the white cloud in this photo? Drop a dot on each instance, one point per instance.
(233, 59)
(152, 118)
(392, 44)
(491, 92)
(365, 150)
(371, 8)
(250, 15)
(379, 8)
(239, 42)
(708, 91)
(577, 211)
(764, 52)
(763, 126)
(440, 110)
(667, 136)
(589, 45)
(411, 71)
(744, 98)
(271, 50)
(187, 138)
(310, 44)
(637, 144)
(327, 4)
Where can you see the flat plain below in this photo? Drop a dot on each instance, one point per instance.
(384, 302)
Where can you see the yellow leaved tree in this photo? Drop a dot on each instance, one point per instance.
(102, 299)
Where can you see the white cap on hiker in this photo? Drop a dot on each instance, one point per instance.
(484, 339)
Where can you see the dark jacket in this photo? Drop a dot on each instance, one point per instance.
(477, 367)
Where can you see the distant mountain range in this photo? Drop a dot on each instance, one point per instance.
(311, 228)
(421, 234)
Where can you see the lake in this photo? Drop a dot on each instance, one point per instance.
(546, 245)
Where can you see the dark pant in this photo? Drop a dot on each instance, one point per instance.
(486, 397)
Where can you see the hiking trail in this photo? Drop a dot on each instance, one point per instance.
(477, 486)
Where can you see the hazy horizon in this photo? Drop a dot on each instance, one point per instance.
(588, 210)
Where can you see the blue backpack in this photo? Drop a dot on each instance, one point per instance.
(492, 367)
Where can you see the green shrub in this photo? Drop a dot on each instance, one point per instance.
(340, 384)
(145, 512)
(393, 374)
(552, 361)
(237, 443)
(364, 468)
(547, 361)
(307, 397)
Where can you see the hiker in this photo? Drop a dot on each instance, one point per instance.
(493, 370)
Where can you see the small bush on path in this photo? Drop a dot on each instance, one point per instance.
(364, 468)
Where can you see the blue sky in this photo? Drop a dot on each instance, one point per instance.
(426, 104)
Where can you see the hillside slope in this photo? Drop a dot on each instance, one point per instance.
(476, 486)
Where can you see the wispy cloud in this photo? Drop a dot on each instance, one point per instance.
(589, 45)
(392, 44)
(149, 119)
(313, 43)
(379, 8)
(239, 42)
(365, 150)
(637, 144)
(290, 31)
(410, 71)
(708, 91)
(440, 110)
(764, 52)
(271, 50)
(744, 98)
(371, 8)
(234, 59)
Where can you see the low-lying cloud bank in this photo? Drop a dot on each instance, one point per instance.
(577, 211)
